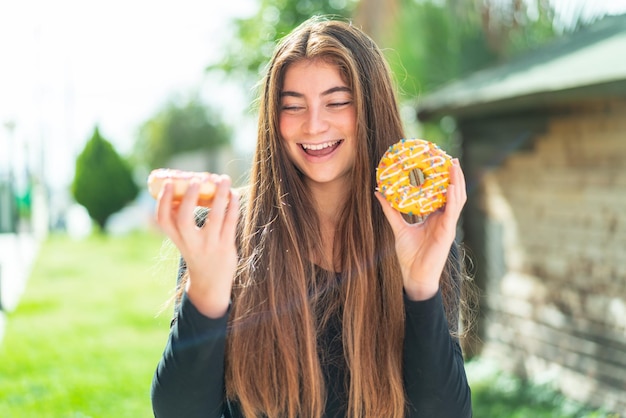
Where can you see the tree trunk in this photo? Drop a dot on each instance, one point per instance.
(376, 18)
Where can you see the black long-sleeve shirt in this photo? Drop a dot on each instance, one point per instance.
(189, 380)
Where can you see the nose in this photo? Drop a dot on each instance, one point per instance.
(316, 121)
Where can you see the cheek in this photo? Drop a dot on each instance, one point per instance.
(351, 121)
(288, 136)
(347, 122)
(286, 127)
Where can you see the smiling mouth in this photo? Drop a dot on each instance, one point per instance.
(320, 150)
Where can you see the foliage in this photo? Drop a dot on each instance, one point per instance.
(428, 43)
(248, 51)
(181, 125)
(103, 181)
(87, 335)
(501, 395)
(436, 42)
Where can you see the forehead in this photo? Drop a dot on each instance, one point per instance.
(312, 75)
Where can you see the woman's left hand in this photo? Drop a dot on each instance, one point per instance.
(423, 248)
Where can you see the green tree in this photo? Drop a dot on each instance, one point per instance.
(248, 51)
(427, 42)
(103, 182)
(435, 42)
(181, 125)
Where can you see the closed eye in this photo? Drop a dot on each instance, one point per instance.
(291, 108)
(340, 104)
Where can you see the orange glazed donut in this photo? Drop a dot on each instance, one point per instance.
(413, 176)
(180, 180)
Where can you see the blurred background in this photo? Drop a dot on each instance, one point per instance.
(531, 94)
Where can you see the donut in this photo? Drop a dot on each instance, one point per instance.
(180, 180)
(413, 176)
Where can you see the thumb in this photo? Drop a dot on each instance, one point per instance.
(393, 216)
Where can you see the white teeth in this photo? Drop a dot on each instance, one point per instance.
(317, 147)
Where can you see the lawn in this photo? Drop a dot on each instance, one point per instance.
(89, 330)
(496, 394)
(91, 326)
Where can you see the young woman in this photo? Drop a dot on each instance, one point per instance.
(313, 297)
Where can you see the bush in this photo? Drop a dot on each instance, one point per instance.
(103, 181)
(497, 394)
(182, 125)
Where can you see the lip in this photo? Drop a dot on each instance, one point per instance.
(321, 145)
(320, 151)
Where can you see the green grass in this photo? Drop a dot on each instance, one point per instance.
(89, 330)
(496, 394)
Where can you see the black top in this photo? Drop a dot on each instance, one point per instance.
(189, 380)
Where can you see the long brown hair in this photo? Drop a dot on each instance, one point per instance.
(281, 301)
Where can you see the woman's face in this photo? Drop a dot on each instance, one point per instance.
(318, 121)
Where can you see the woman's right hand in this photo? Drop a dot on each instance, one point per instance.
(209, 251)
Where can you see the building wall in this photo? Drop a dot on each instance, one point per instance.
(547, 223)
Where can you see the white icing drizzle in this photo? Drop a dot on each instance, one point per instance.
(172, 173)
(423, 195)
(399, 166)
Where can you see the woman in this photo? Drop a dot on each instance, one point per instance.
(313, 297)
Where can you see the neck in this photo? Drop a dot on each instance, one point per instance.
(329, 201)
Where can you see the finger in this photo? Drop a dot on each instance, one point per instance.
(230, 221)
(461, 182)
(164, 202)
(393, 216)
(218, 210)
(456, 194)
(164, 211)
(185, 218)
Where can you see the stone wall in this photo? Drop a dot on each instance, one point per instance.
(553, 231)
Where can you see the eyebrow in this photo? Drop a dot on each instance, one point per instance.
(289, 93)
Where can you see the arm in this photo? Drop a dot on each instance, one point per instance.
(189, 380)
(423, 248)
(434, 373)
